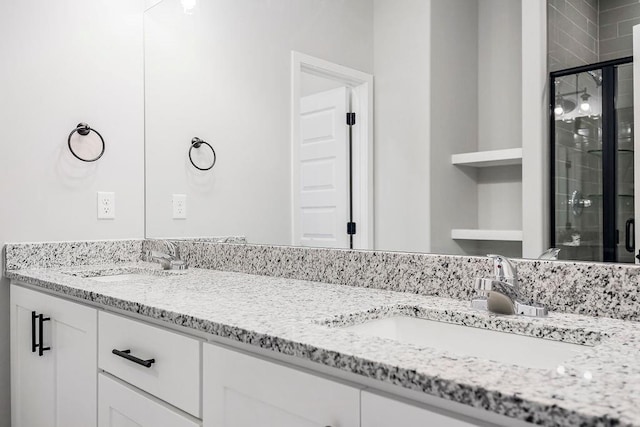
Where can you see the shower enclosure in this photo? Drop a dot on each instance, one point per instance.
(592, 162)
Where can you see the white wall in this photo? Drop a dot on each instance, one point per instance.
(401, 125)
(454, 118)
(499, 74)
(64, 62)
(239, 53)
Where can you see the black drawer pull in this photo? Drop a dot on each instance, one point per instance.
(34, 345)
(42, 349)
(39, 345)
(127, 355)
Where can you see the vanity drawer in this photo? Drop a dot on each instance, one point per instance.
(119, 405)
(162, 363)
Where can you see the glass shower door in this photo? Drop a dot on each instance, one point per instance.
(578, 166)
(593, 162)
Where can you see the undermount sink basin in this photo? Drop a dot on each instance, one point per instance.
(469, 341)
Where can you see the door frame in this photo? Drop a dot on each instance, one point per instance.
(362, 157)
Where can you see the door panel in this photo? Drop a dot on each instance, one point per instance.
(322, 210)
(32, 377)
(56, 389)
(244, 391)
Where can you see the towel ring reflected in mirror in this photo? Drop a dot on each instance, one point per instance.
(197, 143)
(84, 129)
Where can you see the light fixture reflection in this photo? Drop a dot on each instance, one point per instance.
(558, 110)
(585, 106)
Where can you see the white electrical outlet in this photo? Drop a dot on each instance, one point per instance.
(106, 205)
(179, 206)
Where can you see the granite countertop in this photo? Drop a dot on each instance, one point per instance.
(598, 387)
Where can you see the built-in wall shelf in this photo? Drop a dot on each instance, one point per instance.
(490, 235)
(484, 159)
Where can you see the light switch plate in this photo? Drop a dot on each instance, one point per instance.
(106, 205)
(179, 206)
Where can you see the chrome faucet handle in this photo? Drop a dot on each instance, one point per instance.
(550, 254)
(504, 270)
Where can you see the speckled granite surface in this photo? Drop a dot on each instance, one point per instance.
(607, 290)
(604, 290)
(59, 254)
(599, 387)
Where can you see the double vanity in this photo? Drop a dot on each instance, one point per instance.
(100, 336)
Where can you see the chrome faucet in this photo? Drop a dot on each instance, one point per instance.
(501, 294)
(169, 260)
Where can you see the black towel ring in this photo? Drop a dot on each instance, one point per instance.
(84, 130)
(197, 143)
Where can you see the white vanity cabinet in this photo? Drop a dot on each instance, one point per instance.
(381, 411)
(245, 391)
(101, 369)
(54, 361)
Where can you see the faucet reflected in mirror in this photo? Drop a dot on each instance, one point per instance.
(169, 260)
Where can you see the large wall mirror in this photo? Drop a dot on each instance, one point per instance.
(402, 125)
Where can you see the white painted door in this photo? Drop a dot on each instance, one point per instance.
(57, 388)
(379, 411)
(636, 144)
(121, 406)
(321, 171)
(245, 391)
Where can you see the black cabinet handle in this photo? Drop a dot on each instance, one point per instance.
(630, 238)
(41, 348)
(127, 355)
(34, 345)
(37, 344)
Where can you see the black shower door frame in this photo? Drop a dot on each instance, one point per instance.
(610, 235)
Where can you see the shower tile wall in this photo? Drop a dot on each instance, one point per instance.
(573, 33)
(617, 18)
(584, 32)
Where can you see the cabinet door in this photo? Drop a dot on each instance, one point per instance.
(57, 388)
(244, 391)
(379, 411)
(121, 406)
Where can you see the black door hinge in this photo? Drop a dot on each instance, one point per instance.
(351, 119)
(351, 228)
